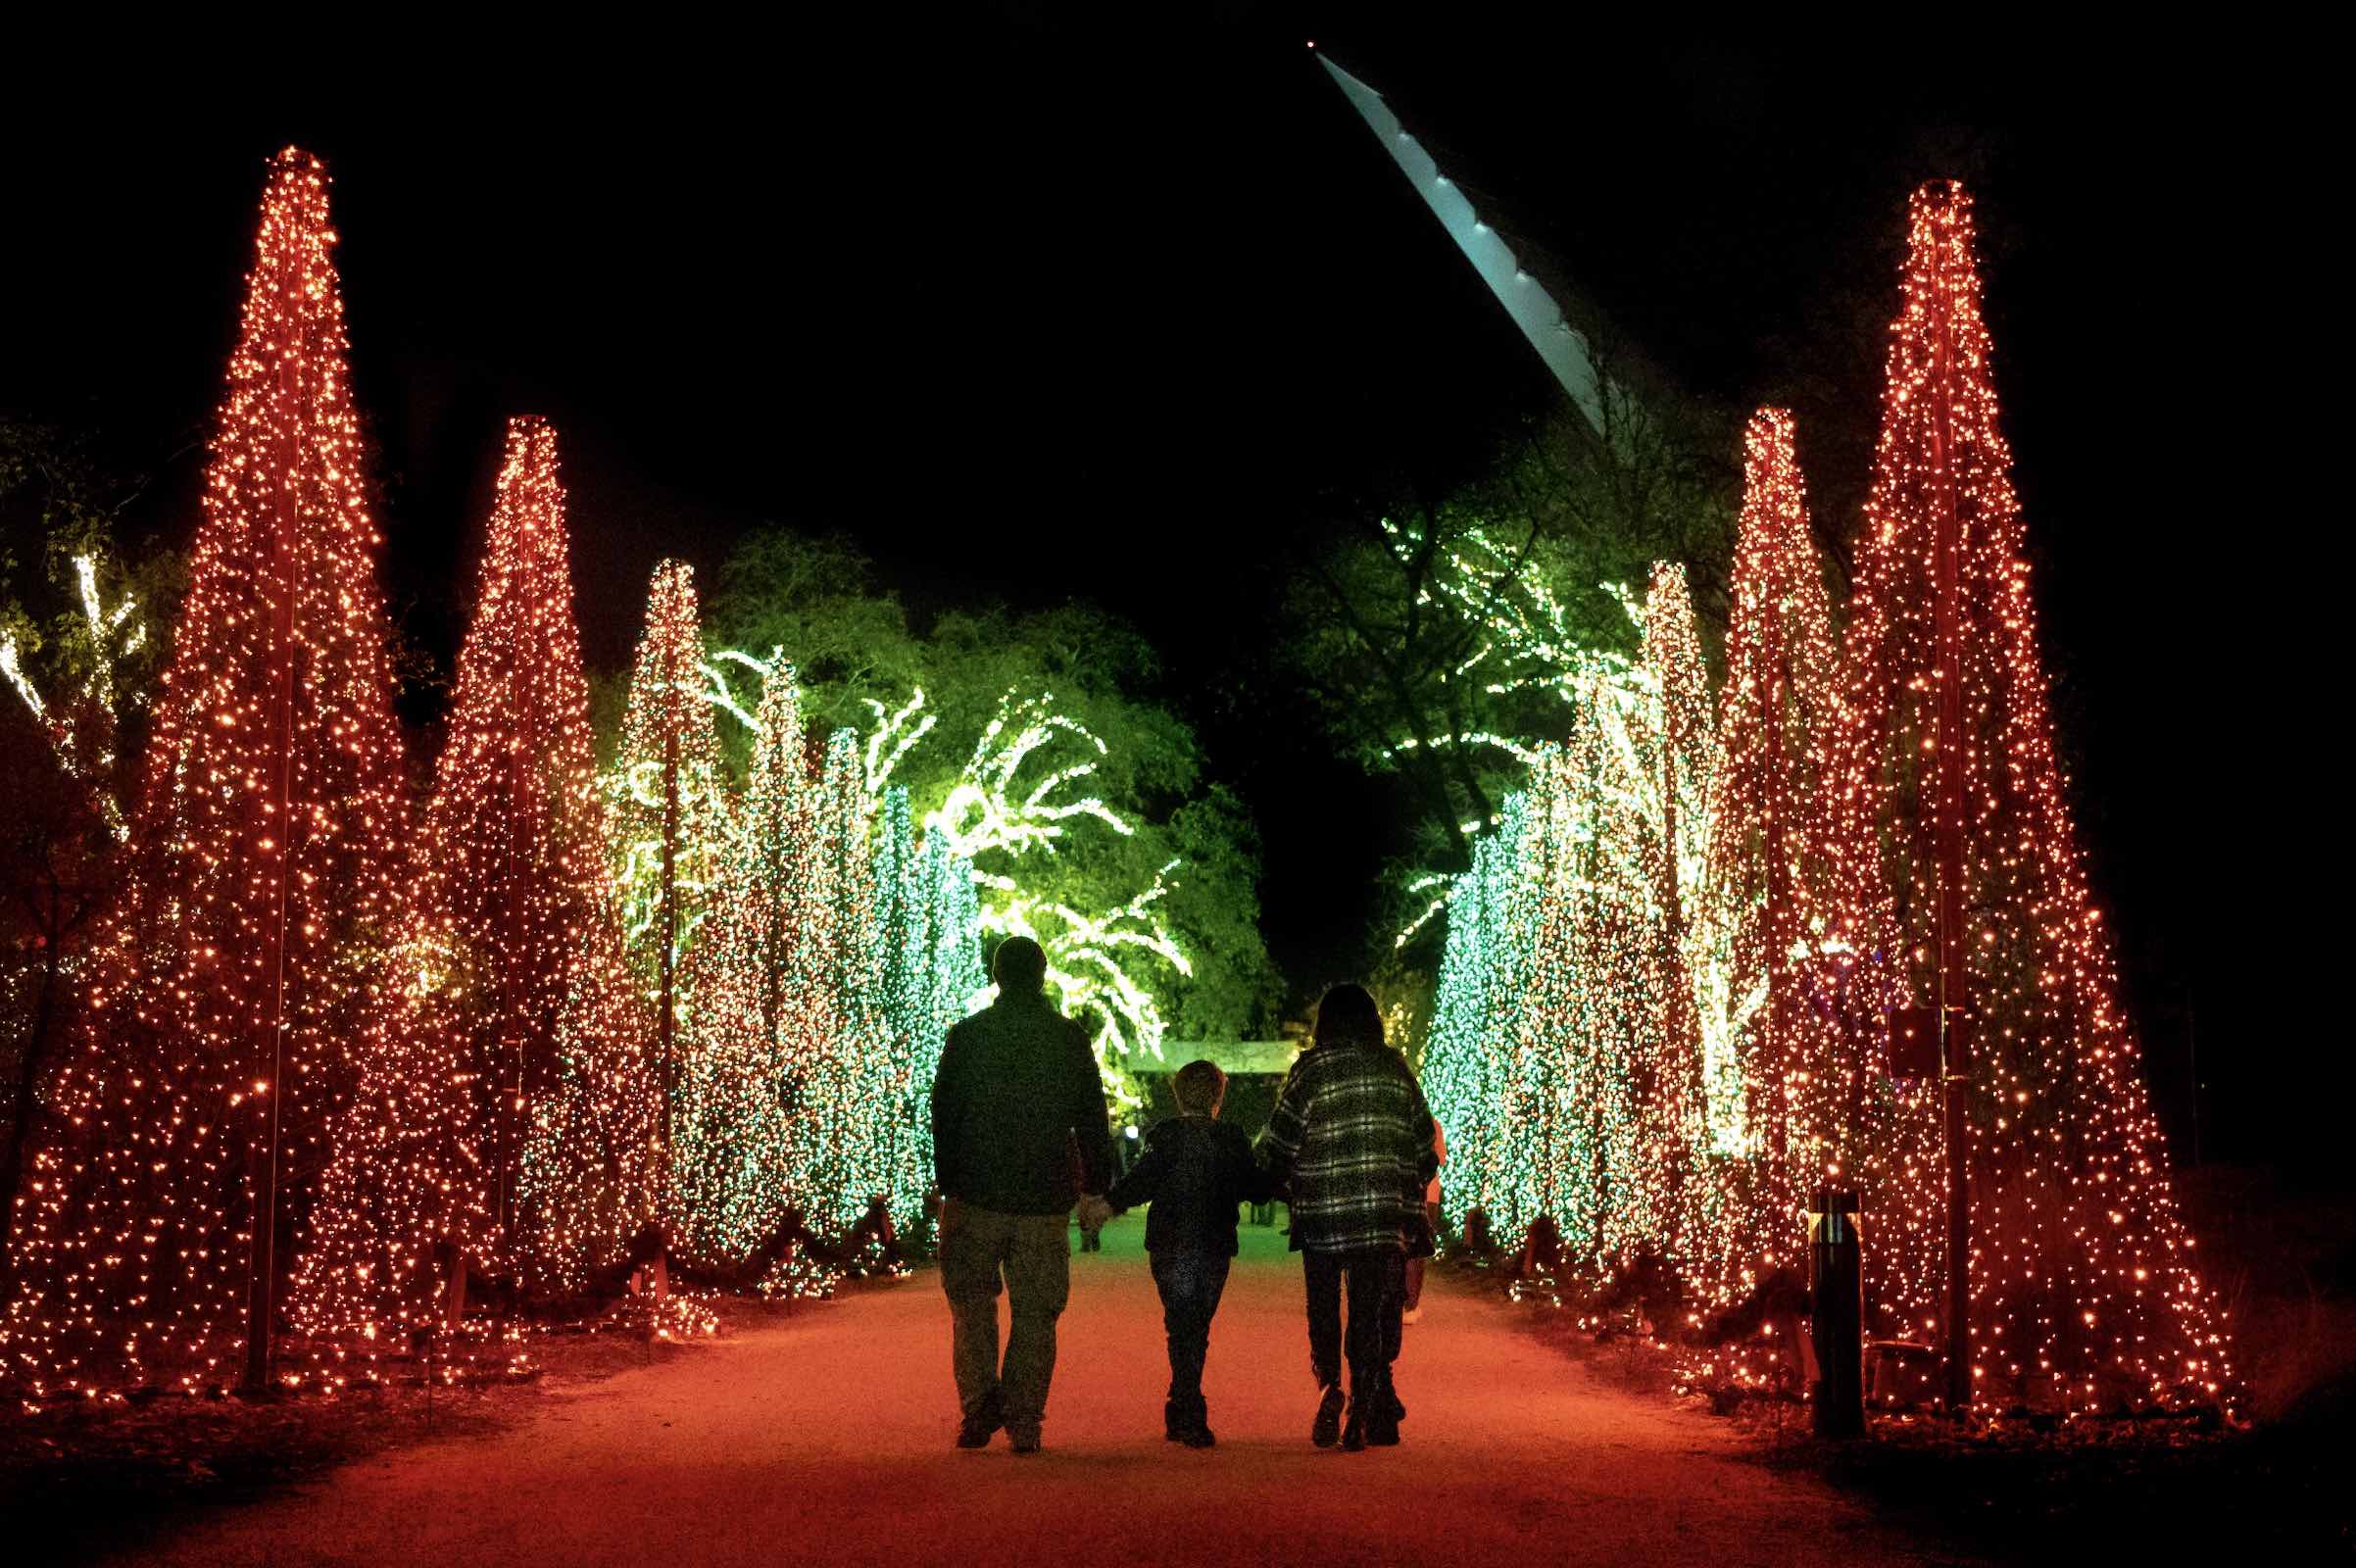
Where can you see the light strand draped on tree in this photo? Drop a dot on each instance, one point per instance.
(742, 1091)
(1773, 880)
(83, 725)
(1570, 1064)
(670, 811)
(929, 924)
(1482, 987)
(2084, 1287)
(1642, 769)
(267, 894)
(516, 832)
(952, 985)
(900, 960)
(405, 1195)
(594, 1158)
(843, 1047)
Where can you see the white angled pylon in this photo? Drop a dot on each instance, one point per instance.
(1525, 299)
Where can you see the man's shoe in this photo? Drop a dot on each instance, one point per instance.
(1353, 1430)
(1026, 1441)
(1200, 1437)
(1398, 1411)
(975, 1430)
(1326, 1428)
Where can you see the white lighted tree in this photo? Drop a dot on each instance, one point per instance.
(80, 726)
(1011, 814)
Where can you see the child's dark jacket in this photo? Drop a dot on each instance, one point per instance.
(1193, 1171)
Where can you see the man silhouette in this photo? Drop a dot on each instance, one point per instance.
(1016, 1092)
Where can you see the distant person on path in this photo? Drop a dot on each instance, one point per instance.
(1420, 1254)
(1016, 1093)
(1351, 1131)
(1193, 1172)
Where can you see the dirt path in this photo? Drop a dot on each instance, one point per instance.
(827, 1440)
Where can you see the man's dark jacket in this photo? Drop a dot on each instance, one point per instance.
(1193, 1171)
(1016, 1090)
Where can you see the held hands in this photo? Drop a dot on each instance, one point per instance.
(1094, 1212)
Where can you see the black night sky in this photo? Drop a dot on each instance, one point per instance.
(1040, 310)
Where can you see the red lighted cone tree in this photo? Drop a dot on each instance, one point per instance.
(1779, 722)
(1681, 1078)
(230, 993)
(2082, 1284)
(515, 834)
(594, 1161)
(1614, 1072)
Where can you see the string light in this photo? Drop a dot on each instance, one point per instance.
(1567, 1057)
(842, 1044)
(1790, 995)
(2084, 1288)
(1561, 1061)
(742, 1092)
(516, 831)
(228, 993)
(669, 806)
(1521, 644)
(594, 1172)
(834, 960)
(595, 1165)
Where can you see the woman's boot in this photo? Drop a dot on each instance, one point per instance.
(1382, 1413)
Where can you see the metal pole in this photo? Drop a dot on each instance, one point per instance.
(666, 1024)
(1837, 1312)
(263, 1175)
(508, 1099)
(1778, 893)
(1680, 993)
(1949, 749)
(2192, 1068)
(670, 903)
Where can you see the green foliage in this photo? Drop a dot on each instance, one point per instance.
(1445, 642)
(860, 658)
(93, 646)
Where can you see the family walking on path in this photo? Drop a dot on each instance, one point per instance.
(1020, 1135)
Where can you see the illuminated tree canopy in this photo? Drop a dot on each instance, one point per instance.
(1008, 702)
